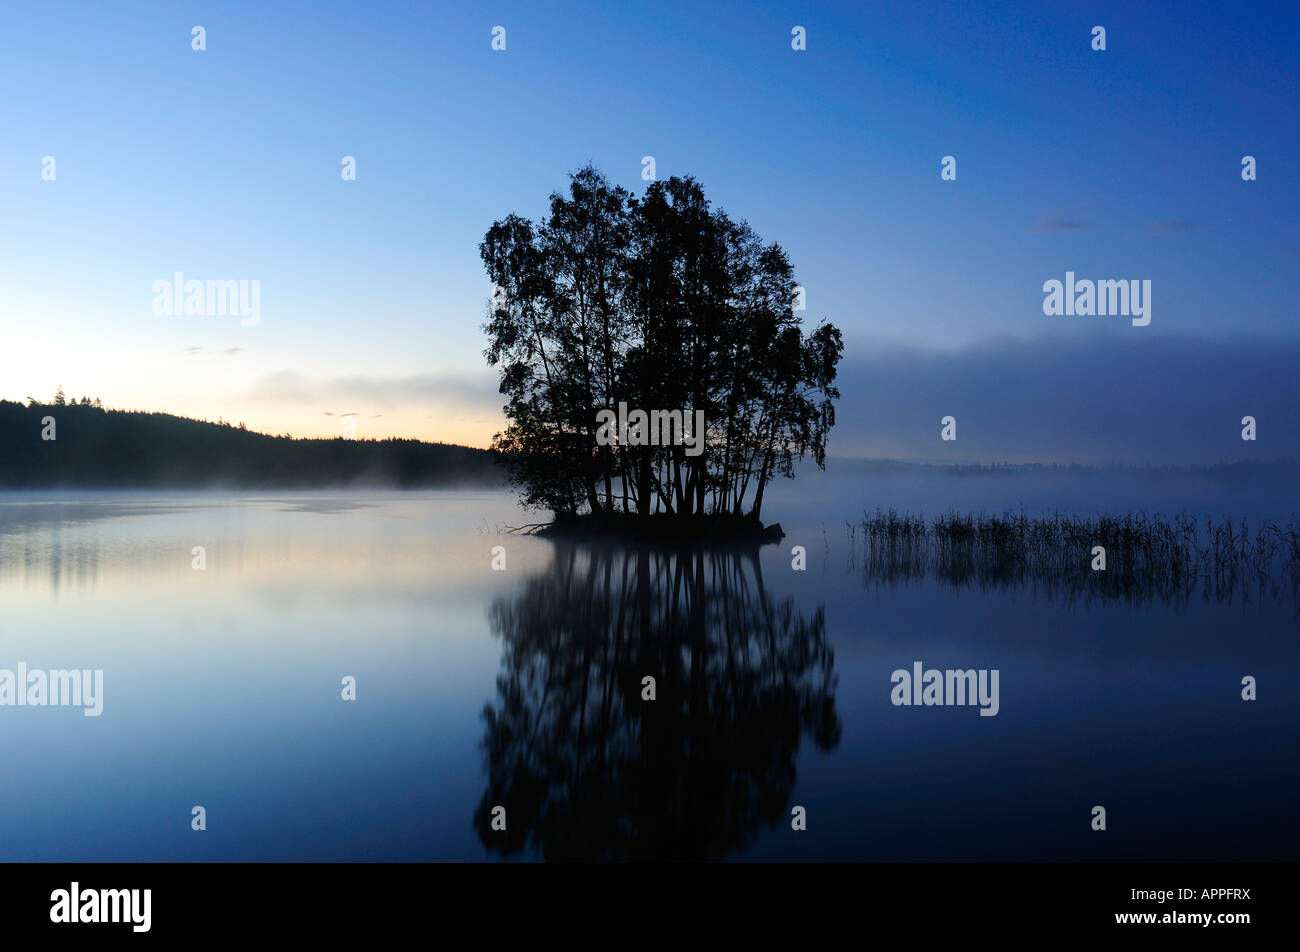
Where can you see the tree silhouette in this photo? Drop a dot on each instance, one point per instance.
(587, 769)
(664, 304)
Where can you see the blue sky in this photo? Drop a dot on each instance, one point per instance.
(225, 164)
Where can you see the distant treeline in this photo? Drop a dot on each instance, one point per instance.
(124, 449)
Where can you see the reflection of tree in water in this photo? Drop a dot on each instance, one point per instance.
(586, 769)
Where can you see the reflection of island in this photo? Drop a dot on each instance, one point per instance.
(588, 770)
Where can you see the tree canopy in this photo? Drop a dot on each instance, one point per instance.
(661, 303)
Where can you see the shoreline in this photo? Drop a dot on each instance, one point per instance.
(664, 528)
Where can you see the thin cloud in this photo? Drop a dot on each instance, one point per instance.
(1172, 227)
(475, 392)
(1065, 219)
(1091, 396)
(228, 352)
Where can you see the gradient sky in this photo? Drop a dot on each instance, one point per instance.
(224, 164)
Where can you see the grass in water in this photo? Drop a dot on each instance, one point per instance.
(1148, 557)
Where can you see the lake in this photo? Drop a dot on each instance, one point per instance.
(523, 688)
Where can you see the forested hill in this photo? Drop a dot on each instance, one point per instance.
(121, 449)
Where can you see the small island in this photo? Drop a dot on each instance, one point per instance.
(655, 366)
(664, 528)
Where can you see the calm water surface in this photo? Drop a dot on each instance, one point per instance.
(523, 688)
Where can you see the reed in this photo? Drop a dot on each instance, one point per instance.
(1148, 557)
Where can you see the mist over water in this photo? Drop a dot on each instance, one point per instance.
(523, 687)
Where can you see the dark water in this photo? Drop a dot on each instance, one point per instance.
(523, 688)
